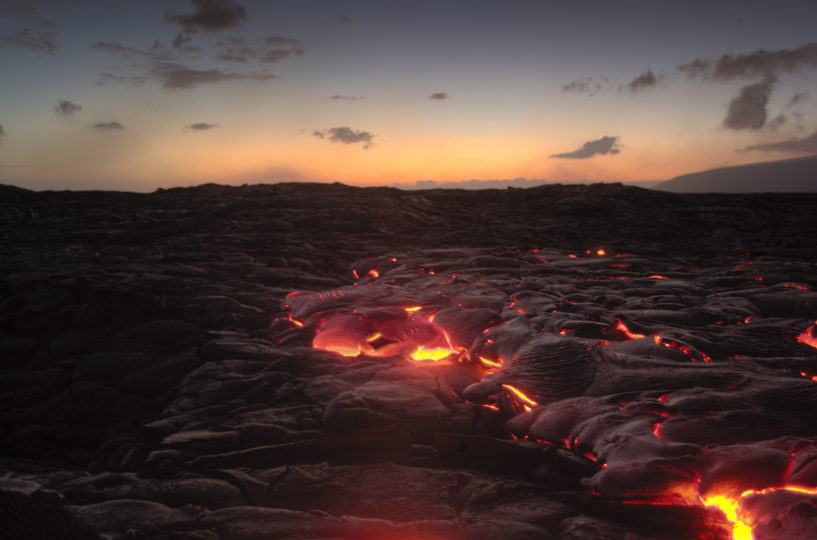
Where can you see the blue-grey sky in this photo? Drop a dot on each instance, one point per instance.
(141, 94)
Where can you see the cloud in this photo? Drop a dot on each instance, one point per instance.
(798, 98)
(346, 135)
(438, 96)
(105, 78)
(25, 39)
(759, 63)
(114, 48)
(175, 76)
(777, 121)
(587, 85)
(66, 107)
(156, 52)
(274, 55)
(806, 145)
(605, 145)
(748, 109)
(341, 97)
(180, 39)
(270, 49)
(2, 132)
(201, 126)
(210, 16)
(108, 126)
(645, 81)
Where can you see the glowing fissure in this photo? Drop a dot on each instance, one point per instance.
(520, 397)
(621, 327)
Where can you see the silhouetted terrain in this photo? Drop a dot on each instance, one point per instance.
(574, 362)
(797, 175)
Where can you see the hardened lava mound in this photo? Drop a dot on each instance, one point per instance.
(320, 361)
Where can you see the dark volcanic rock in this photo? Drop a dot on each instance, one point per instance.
(651, 350)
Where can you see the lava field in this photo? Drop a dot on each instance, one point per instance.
(315, 361)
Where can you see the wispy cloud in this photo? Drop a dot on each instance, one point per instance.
(438, 96)
(200, 126)
(175, 76)
(155, 52)
(2, 132)
(209, 16)
(806, 145)
(341, 97)
(134, 80)
(25, 38)
(645, 81)
(798, 98)
(268, 50)
(757, 64)
(587, 85)
(108, 126)
(605, 145)
(66, 107)
(747, 110)
(346, 135)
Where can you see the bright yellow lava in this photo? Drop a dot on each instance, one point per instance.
(491, 363)
(520, 394)
(740, 529)
(436, 354)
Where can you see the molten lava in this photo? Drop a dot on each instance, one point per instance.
(519, 397)
(385, 332)
(740, 529)
(733, 509)
(807, 336)
(621, 327)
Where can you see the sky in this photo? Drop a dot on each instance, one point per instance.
(140, 94)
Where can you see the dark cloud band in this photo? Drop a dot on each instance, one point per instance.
(605, 145)
(108, 126)
(346, 135)
(210, 16)
(66, 108)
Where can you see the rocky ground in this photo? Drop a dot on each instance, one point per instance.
(321, 361)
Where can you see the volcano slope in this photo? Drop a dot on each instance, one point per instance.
(323, 361)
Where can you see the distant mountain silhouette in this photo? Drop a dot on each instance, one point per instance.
(784, 176)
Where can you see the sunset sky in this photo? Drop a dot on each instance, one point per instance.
(140, 94)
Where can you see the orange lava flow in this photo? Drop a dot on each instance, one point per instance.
(740, 529)
(412, 335)
(807, 336)
(621, 327)
(490, 363)
(731, 507)
(517, 394)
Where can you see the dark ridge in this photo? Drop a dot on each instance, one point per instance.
(798, 175)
